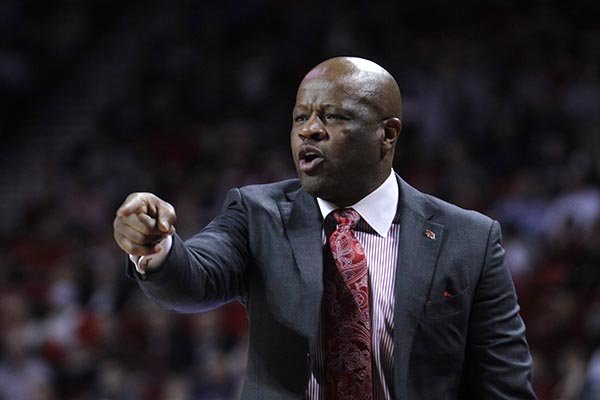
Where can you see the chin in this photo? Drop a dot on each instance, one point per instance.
(313, 185)
(321, 189)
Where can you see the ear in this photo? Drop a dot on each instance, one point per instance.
(391, 131)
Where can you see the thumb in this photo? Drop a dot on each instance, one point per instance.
(165, 226)
(166, 219)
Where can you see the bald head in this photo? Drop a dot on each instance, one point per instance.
(362, 78)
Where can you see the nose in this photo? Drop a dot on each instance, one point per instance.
(313, 129)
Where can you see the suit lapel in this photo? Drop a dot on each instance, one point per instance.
(303, 225)
(420, 240)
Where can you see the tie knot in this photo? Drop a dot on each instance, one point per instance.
(346, 217)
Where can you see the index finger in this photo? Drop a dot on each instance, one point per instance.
(133, 204)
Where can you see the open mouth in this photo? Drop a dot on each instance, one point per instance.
(310, 157)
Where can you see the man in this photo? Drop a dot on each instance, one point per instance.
(356, 284)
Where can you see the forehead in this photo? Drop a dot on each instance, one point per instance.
(345, 91)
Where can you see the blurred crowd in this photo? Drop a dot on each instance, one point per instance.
(501, 115)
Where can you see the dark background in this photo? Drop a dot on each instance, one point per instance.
(188, 99)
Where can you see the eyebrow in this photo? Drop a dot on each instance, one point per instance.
(324, 107)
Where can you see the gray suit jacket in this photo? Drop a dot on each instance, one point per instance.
(265, 250)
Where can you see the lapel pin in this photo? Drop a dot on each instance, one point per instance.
(430, 234)
(447, 294)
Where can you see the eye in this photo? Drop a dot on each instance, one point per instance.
(334, 117)
(300, 118)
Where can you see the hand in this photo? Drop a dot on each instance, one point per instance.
(142, 222)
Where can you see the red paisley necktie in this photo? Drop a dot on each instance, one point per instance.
(347, 316)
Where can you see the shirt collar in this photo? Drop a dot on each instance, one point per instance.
(378, 208)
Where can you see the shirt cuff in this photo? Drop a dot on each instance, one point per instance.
(147, 263)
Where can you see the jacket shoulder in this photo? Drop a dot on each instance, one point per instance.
(440, 210)
(269, 191)
(263, 195)
(452, 213)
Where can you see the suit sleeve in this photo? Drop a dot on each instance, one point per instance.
(498, 362)
(207, 270)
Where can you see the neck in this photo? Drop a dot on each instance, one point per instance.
(355, 194)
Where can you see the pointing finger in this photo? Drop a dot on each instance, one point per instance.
(133, 204)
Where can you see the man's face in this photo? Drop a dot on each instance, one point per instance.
(336, 140)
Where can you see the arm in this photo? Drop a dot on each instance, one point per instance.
(207, 270)
(498, 362)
